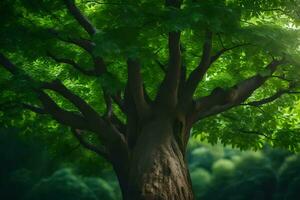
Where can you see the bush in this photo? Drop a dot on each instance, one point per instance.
(248, 176)
(223, 168)
(202, 157)
(100, 188)
(201, 179)
(62, 185)
(253, 178)
(289, 179)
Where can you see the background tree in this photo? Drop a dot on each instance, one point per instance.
(126, 82)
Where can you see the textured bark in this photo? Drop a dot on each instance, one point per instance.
(158, 169)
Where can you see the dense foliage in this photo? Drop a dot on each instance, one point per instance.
(31, 29)
(224, 173)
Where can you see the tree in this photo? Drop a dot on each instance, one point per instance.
(133, 83)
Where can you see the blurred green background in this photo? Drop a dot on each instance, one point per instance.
(30, 170)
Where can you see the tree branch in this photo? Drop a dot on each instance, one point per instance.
(131, 119)
(197, 74)
(62, 116)
(100, 150)
(35, 109)
(9, 66)
(88, 46)
(270, 99)
(73, 64)
(220, 100)
(168, 92)
(90, 120)
(83, 107)
(85, 44)
(82, 20)
(224, 50)
(256, 133)
(136, 86)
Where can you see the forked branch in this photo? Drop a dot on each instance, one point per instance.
(224, 50)
(89, 120)
(168, 92)
(100, 150)
(271, 98)
(83, 107)
(73, 64)
(62, 116)
(136, 87)
(221, 100)
(197, 74)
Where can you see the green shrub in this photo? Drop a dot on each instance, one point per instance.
(289, 179)
(201, 179)
(100, 188)
(253, 179)
(223, 168)
(62, 185)
(202, 157)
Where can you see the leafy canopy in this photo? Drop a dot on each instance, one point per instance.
(259, 31)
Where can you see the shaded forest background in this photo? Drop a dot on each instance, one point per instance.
(32, 170)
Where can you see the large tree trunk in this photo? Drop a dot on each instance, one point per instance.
(158, 169)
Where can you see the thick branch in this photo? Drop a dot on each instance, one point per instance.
(220, 100)
(136, 86)
(84, 108)
(100, 150)
(182, 80)
(167, 94)
(93, 121)
(197, 74)
(132, 118)
(62, 116)
(90, 119)
(82, 20)
(85, 44)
